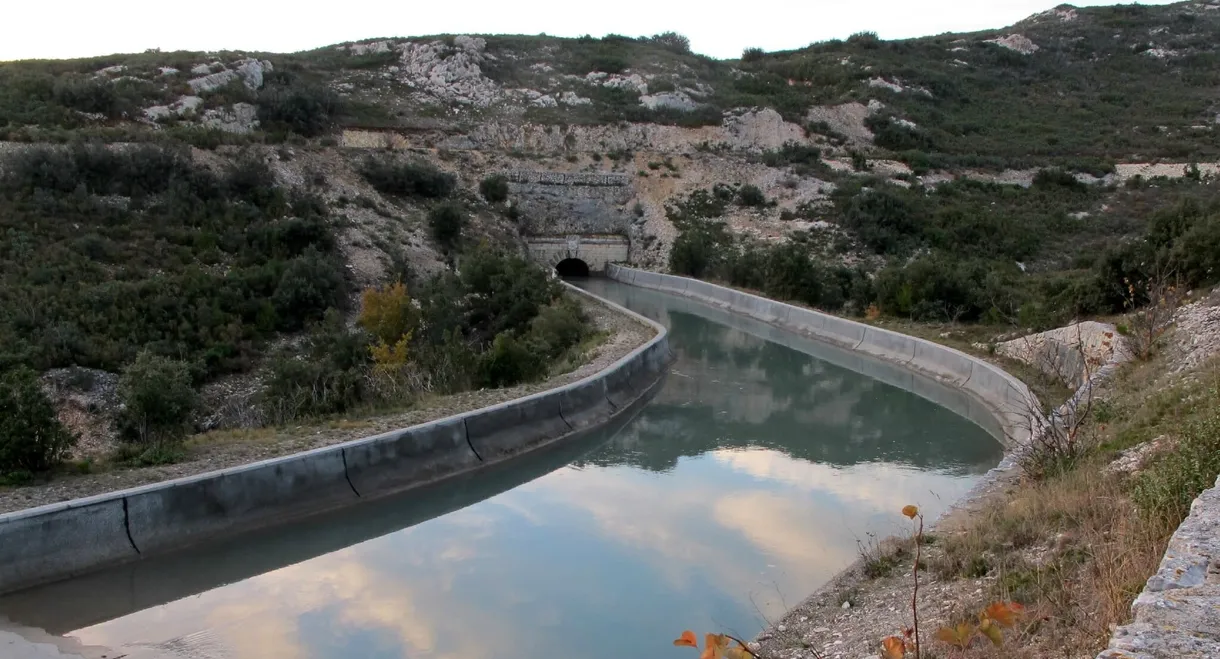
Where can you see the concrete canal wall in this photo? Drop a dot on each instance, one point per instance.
(1011, 406)
(61, 540)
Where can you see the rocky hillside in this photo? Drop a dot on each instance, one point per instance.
(1014, 174)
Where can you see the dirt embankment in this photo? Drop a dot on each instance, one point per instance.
(211, 451)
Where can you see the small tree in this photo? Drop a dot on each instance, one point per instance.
(752, 54)
(1145, 326)
(158, 399)
(672, 41)
(388, 313)
(494, 188)
(31, 436)
(446, 221)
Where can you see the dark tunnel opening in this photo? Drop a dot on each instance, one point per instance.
(572, 268)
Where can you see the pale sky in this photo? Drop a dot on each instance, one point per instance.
(80, 28)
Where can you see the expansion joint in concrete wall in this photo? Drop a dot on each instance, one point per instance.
(347, 474)
(466, 433)
(127, 526)
(565, 419)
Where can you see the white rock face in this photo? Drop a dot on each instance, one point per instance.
(112, 70)
(886, 84)
(761, 130)
(906, 123)
(241, 118)
(574, 99)
(847, 119)
(369, 48)
(633, 83)
(449, 73)
(669, 100)
(250, 71)
(1018, 42)
(1161, 53)
(185, 106)
(545, 101)
(167, 70)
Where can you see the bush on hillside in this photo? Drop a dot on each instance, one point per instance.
(158, 400)
(509, 361)
(407, 179)
(446, 221)
(31, 437)
(752, 54)
(750, 195)
(672, 41)
(311, 284)
(494, 188)
(303, 109)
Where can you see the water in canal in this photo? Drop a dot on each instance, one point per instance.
(737, 490)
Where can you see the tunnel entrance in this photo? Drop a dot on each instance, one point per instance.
(572, 268)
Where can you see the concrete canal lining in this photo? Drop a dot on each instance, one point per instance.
(1005, 398)
(66, 539)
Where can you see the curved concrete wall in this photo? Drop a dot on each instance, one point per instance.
(1005, 398)
(65, 539)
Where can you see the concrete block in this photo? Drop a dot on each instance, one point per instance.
(843, 332)
(505, 430)
(806, 321)
(889, 345)
(647, 279)
(60, 540)
(402, 458)
(942, 362)
(584, 404)
(177, 512)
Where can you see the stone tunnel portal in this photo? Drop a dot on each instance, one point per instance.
(578, 255)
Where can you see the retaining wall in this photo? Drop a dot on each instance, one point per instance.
(1005, 398)
(66, 539)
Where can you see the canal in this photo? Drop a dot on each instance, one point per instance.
(742, 485)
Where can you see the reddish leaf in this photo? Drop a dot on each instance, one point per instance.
(1005, 613)
(959, 637)
(893, 647)
(687, 639)
(739, 651)
(910, 511)
(992, 631)
(714, 646)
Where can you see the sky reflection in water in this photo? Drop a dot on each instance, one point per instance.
(749, 476)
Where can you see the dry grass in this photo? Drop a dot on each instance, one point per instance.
(1074, 547)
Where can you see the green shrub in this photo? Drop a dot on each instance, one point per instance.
(509, 361)
(672, 41)
(753, 54)
(407, 179)
(557, 327)
(325, 375)
(31, 437)
(1170, 485)
(494, 188)
(301, 108)
(446, 221)
(158, 400)
(311, 284)
(750, 195)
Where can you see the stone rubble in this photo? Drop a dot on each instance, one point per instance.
(1196, 338)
